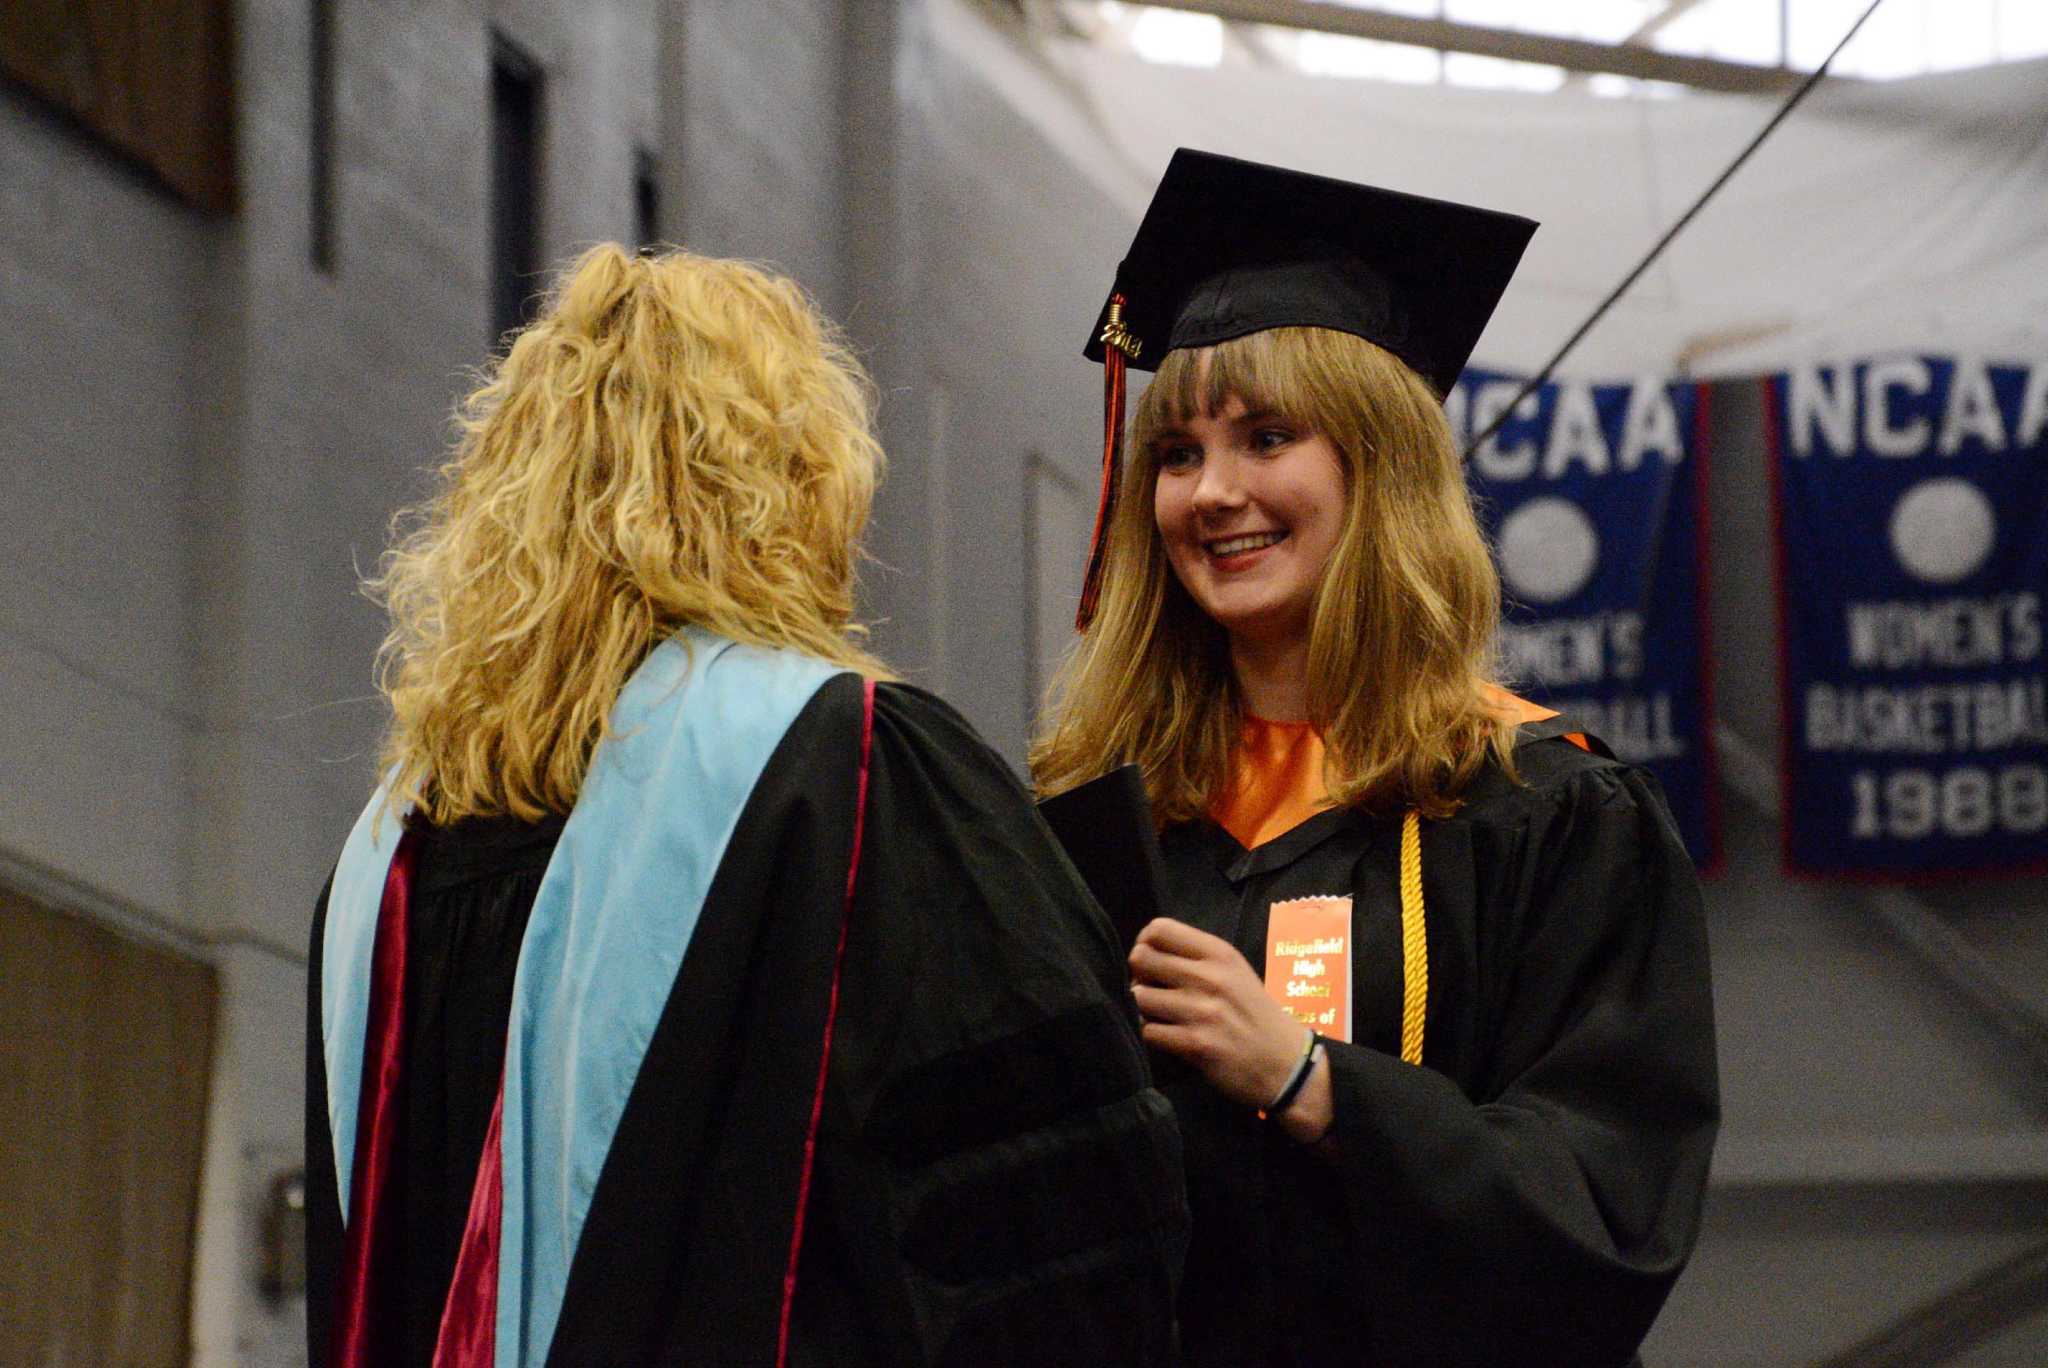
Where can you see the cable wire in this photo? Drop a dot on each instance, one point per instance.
(1791, 102)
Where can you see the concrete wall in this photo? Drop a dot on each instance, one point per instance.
(755, 154)
(102, 276)
(205, 438)
(986, 256)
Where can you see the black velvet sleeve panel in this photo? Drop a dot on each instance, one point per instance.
(1004, 1180)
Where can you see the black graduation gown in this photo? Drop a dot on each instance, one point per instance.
(1528, 1196)
(995, 1179)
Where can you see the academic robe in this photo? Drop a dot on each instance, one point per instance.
(1526, 1196)
(887, 1107)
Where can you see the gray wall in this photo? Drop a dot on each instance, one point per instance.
(204, 438)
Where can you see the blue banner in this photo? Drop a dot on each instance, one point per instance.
(1593, 496)
(1912, 511)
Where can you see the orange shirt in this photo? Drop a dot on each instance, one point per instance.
(1276, 779)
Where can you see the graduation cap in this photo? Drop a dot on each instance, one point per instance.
(1230, 247)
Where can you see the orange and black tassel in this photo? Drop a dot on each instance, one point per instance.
(1117, 342)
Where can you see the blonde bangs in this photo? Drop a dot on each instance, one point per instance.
(675, 441)
(1401, 637)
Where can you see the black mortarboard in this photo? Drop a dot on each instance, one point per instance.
(1230, 247)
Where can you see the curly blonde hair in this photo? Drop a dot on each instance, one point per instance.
(1401, 656)
(676, 440)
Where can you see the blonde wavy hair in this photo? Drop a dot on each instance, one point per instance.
(674, 441)
(1401, 638)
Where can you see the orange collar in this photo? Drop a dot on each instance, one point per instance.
(1515, 710)
(1276, 776)
(1276, 781)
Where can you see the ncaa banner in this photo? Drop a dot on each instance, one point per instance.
(1911, 499)
(1594, 498)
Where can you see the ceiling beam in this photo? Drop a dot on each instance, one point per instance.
(1573, 54)
(1660, 21)
(1645, 32)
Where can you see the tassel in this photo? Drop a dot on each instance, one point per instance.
(1115, 340)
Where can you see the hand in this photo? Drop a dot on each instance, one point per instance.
(1202, 1002)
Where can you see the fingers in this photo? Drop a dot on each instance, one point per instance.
(1175, 1006)
(1177, 955)
(1151, 965)
(1178, 938)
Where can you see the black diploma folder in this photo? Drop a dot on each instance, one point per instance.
(1106, 828)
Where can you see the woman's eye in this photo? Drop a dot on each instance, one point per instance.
(1178, 457)
(1271, 439)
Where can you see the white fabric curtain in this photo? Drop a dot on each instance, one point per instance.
(1906, 215)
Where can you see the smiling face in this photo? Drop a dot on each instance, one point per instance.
(1249, 506)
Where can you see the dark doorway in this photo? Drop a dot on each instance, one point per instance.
(515, 184)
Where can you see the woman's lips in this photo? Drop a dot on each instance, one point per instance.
(1242, 550)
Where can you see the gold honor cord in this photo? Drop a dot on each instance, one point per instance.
(1414, 941)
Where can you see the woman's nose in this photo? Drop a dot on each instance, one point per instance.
(1218, 486)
